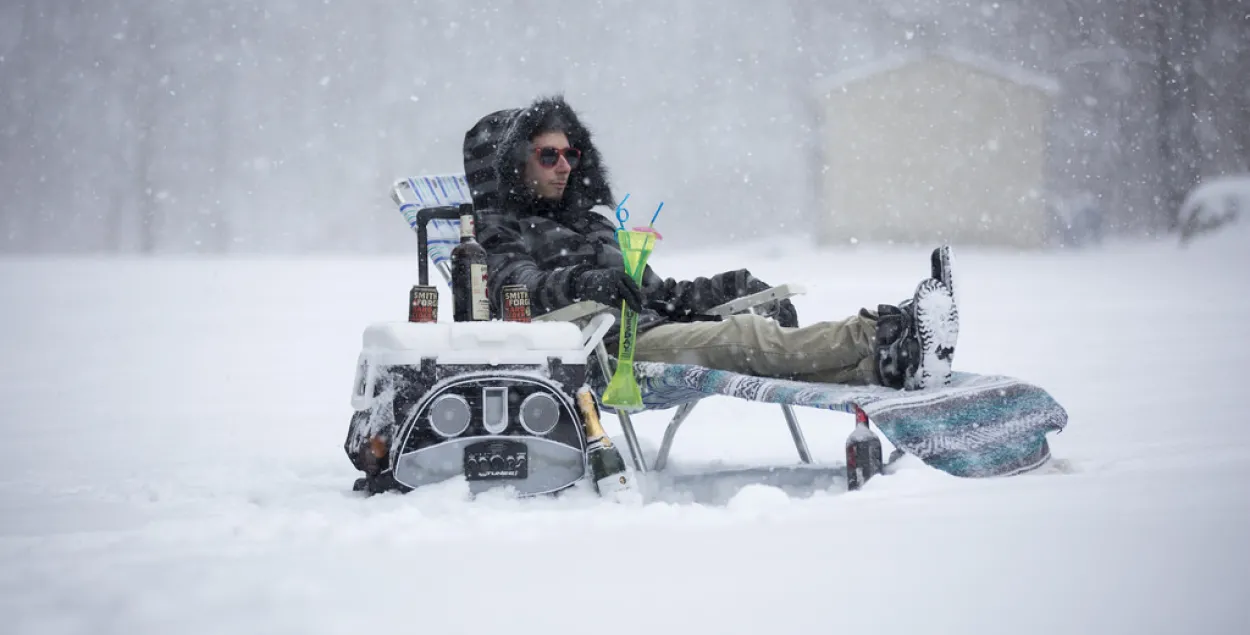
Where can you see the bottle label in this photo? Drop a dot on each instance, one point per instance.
(467, 230)
(478, 302)
(617, 488)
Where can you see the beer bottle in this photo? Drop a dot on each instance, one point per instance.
(863, 453)
(607, 467)
(469, 300)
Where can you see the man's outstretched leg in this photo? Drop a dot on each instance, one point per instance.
(834, 351)
(907, 346)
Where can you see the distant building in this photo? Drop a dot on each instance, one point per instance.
(935, 146)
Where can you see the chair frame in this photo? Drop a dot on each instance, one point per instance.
(419, 213)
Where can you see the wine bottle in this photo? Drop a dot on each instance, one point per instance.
(470, 302)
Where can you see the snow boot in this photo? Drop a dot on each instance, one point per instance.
(940, 264)
(897, 347)
(936, 321)
(915, 341)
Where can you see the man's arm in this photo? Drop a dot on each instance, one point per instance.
(509, 261)
(681, 299)
(685, 297)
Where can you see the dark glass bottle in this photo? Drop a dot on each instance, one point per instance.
(607, 466)
(470, 302)
(863, 453)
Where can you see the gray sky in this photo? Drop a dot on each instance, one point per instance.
(277, 125)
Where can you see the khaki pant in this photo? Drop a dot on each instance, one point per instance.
(831, 352)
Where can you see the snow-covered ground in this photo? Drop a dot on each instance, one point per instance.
(171, 462)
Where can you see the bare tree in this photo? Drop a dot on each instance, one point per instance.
(21, 127)
(1176, 43)
(147, 113)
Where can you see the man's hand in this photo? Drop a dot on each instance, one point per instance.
(781, 310)
(786, 314)
(608, 286)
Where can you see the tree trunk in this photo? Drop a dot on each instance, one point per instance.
(147, 92)
(1176, 111)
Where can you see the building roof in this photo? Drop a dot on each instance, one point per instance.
(1009, 72)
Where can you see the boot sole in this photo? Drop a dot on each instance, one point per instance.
(937, 328)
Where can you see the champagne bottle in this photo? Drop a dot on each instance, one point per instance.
(607, 467)
(470, 302)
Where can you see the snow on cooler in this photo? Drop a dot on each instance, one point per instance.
(172, 462)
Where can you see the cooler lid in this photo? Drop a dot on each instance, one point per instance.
(496, 342)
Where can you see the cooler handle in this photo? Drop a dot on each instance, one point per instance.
(423, 244)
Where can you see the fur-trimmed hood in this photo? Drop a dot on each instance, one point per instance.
(496, 147)
(547, 246)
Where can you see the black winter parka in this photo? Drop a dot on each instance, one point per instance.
(545, 245)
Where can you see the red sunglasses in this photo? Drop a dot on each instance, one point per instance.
(548, 156)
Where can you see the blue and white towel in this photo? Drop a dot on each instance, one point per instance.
(978, 426)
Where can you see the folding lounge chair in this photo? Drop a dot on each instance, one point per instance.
(977, 426)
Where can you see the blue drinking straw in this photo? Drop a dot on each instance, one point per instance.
(622, 213)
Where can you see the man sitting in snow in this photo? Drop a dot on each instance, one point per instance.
(536, 176)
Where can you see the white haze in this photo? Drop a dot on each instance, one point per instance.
(268, 126)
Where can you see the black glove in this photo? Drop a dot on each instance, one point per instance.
(781, 310)
(608, 286)
(786, 314)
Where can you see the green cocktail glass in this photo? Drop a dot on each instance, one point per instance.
(622, 391)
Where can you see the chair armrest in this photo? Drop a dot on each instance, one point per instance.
(587, 308)
(748, 302)
(572, 312)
